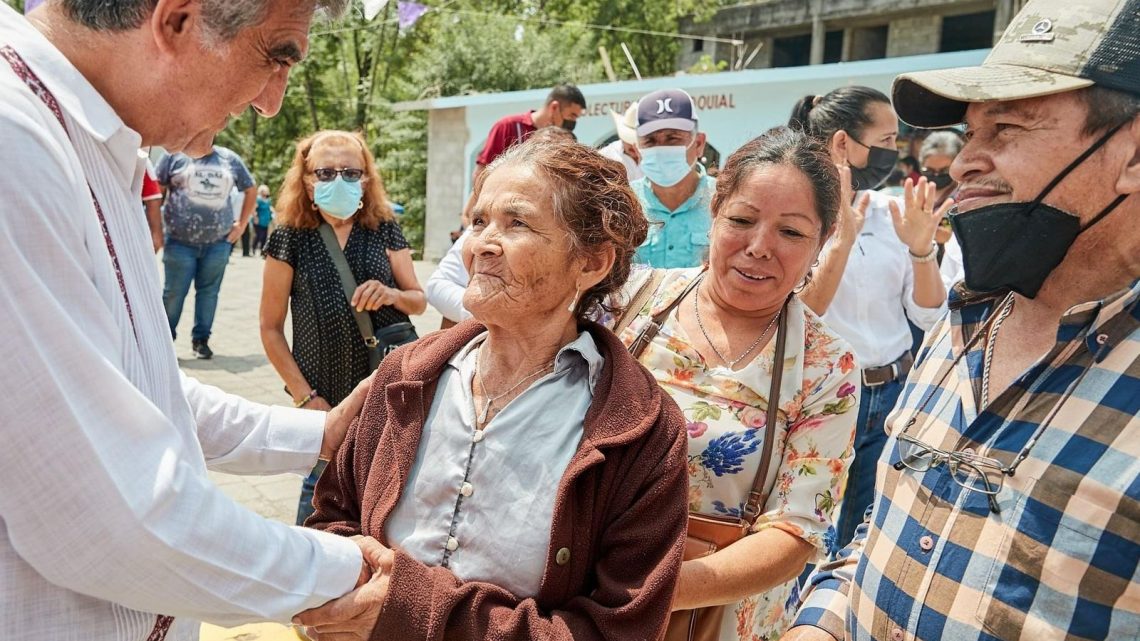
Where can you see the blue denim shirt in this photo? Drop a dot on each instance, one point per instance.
(677, 238)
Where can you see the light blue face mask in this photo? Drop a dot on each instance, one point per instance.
(666, 166)
(338, 198)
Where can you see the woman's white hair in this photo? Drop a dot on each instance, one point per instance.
(942, 143)
(224, 19)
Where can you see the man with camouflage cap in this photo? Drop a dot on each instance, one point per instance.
(1008, 496)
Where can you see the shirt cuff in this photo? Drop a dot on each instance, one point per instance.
(825, 608)
(339, 562)
(296, 435)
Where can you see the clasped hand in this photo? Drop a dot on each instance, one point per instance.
(353, 616)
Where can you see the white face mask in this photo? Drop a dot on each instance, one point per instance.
(666, 166)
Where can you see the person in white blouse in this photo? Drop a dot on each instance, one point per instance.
(110, 528)
(878, 269)
(445, 288)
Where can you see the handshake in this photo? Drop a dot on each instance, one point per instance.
(354, 615)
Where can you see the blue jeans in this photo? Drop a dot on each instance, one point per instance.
(203, 265)
(870, 437)
(305, 505)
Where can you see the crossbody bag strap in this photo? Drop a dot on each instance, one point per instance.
(649, 332)
(348, 283)
(758, 495)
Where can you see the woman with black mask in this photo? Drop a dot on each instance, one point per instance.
(877, 270)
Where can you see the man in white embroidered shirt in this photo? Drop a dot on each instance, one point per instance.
(109, 525)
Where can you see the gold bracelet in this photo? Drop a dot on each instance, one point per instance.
(304, 401)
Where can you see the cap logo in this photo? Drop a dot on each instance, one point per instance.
(665, 105)
(1042, 32)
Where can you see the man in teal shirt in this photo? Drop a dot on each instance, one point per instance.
(675, 193)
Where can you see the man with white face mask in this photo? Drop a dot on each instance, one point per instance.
(676, 192)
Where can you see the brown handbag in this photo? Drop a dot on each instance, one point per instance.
(706, 533)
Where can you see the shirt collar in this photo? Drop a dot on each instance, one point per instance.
(581, 349)
(76, 96)
(706, 185)
(1108, 321)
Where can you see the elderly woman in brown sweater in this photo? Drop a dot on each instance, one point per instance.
(525, 473)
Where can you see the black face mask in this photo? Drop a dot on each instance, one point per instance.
(880, 163)
(941, 180)
(1015, 246)
(568, 124)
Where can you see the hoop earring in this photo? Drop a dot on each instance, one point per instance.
(574, 302)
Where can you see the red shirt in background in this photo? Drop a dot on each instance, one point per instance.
(150, 187)
(507, 131)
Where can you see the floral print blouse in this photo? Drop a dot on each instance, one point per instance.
(727, 412)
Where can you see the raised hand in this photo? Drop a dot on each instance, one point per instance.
(851, 217)
(916, 223)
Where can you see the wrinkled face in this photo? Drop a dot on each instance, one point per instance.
(213, 84)
(518, 254)
(765, 238)
(882, 132)
(1014, 149)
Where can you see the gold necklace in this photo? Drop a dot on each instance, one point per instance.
(483, 388)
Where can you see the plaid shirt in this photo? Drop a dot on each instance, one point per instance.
(1060, 559)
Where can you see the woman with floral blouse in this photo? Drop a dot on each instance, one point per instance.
(775, 206)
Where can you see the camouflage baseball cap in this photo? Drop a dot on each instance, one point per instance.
(1050, 47)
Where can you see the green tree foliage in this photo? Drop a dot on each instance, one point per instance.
(357, 70)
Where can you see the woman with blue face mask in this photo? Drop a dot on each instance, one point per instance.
(333, 215)
(878, 270)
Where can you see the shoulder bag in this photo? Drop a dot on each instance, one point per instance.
(377, 343)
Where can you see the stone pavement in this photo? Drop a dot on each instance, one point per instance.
(239, 366)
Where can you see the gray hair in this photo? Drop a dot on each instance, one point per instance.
(941, 143)
(224, 19)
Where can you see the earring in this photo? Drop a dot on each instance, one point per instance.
(574, 302)
(314, 206)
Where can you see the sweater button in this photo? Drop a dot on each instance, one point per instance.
(563, 556)
(452, 544)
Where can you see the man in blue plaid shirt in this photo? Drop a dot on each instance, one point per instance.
(1008, 497)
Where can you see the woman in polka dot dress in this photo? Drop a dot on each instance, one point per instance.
(333, 180)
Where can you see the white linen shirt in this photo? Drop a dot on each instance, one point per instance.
(481, 503)
(107, 515)
(876, 294)
(445, 288)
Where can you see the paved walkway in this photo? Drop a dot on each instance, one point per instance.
(239, 366)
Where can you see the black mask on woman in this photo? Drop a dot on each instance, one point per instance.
(1015, 246)
(880, 163)
(941, 180)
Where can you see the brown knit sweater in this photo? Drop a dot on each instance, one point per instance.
(619, 518)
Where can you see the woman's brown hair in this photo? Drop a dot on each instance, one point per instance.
(296, 209)
(592, 200)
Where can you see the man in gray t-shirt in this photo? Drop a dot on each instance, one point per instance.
(200, 232)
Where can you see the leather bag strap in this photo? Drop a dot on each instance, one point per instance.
(760, 491)
(649, 332)
(348, 283)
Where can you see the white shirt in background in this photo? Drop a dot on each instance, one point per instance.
(444, 290)
(107, 516)
(876, 294)
(952, 268)
(615, 151)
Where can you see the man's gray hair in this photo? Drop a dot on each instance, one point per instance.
(223, 19)
(942, 143)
